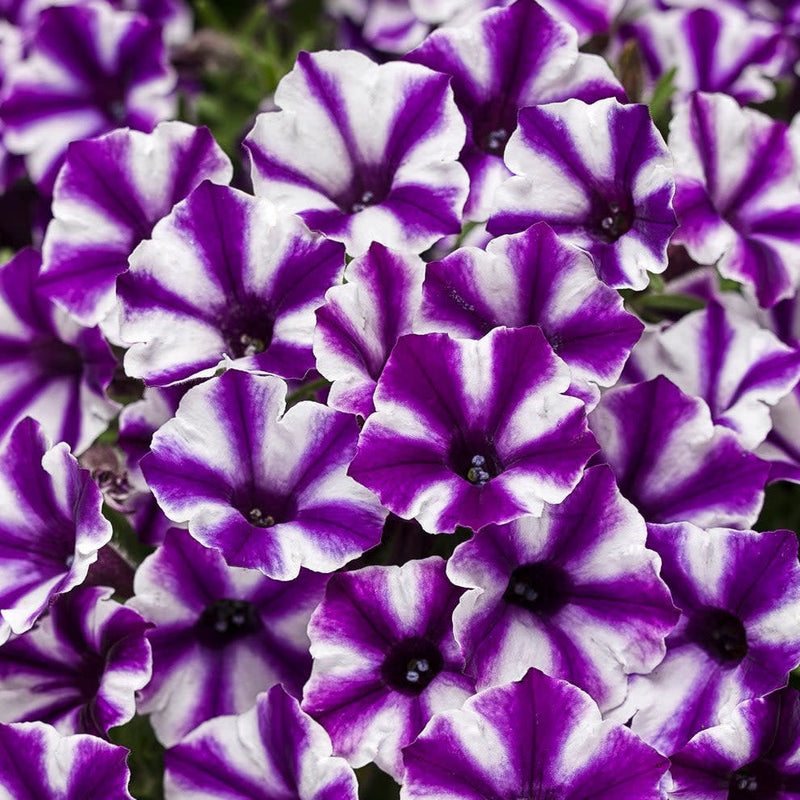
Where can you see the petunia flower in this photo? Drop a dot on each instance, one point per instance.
(37, 763)
(753, 752)
(89, 69)
(363, 153)
(51, 526)
(501, 61)
(109, 194)
(266, 487)
(588, 17)
(715, 48)
(533, 278)
(395, 26)
(472, 432)
(672, 462)
(225, 279)
(361, 321)
(740, 369)
(385, 659)
(601, 176)
(535, 738)
(738, 636)
(233, 630)
(574, 593)
(273, 750)
(51, 367)
(79, 668)
(737, 196)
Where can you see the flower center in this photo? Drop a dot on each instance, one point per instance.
(367, 199)
(55, 357)
(370, 186)
(478, 473)
(258, 518)
(246, 327)
(720, 634)
(756, 780)
(225, 621)
(494, 142)
(474, 459)
(411, 665)
(616, 219)
(541, 588)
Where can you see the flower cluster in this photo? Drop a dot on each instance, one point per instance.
(434, 436)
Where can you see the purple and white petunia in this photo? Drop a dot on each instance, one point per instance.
(536, 738)
(110, 193)
(225, 279)
(233, 630)
(274, 750)
(574, 593)
(265, 486)
(588, 17)
(534, 278)
(363, 152)
(716, 48)
(752, 753)
(740, 369)
(395, 26)
(473, 432)
(738, 635)
(51, 368)
(737, 195)
(501, 61)
(361, 322)
(89, 69)
(38, 763)
(51, 525)
(79, 668)
(672, 462)
(385, 659)
(601, 176)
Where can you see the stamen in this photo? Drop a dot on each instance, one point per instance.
(251, 345)
(477, 473)
(367, 199)
(259, 519)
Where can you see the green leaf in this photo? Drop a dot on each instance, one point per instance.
(124, 537)
(373, 784)
(146, 760)
(661, 101)
(670, 303)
